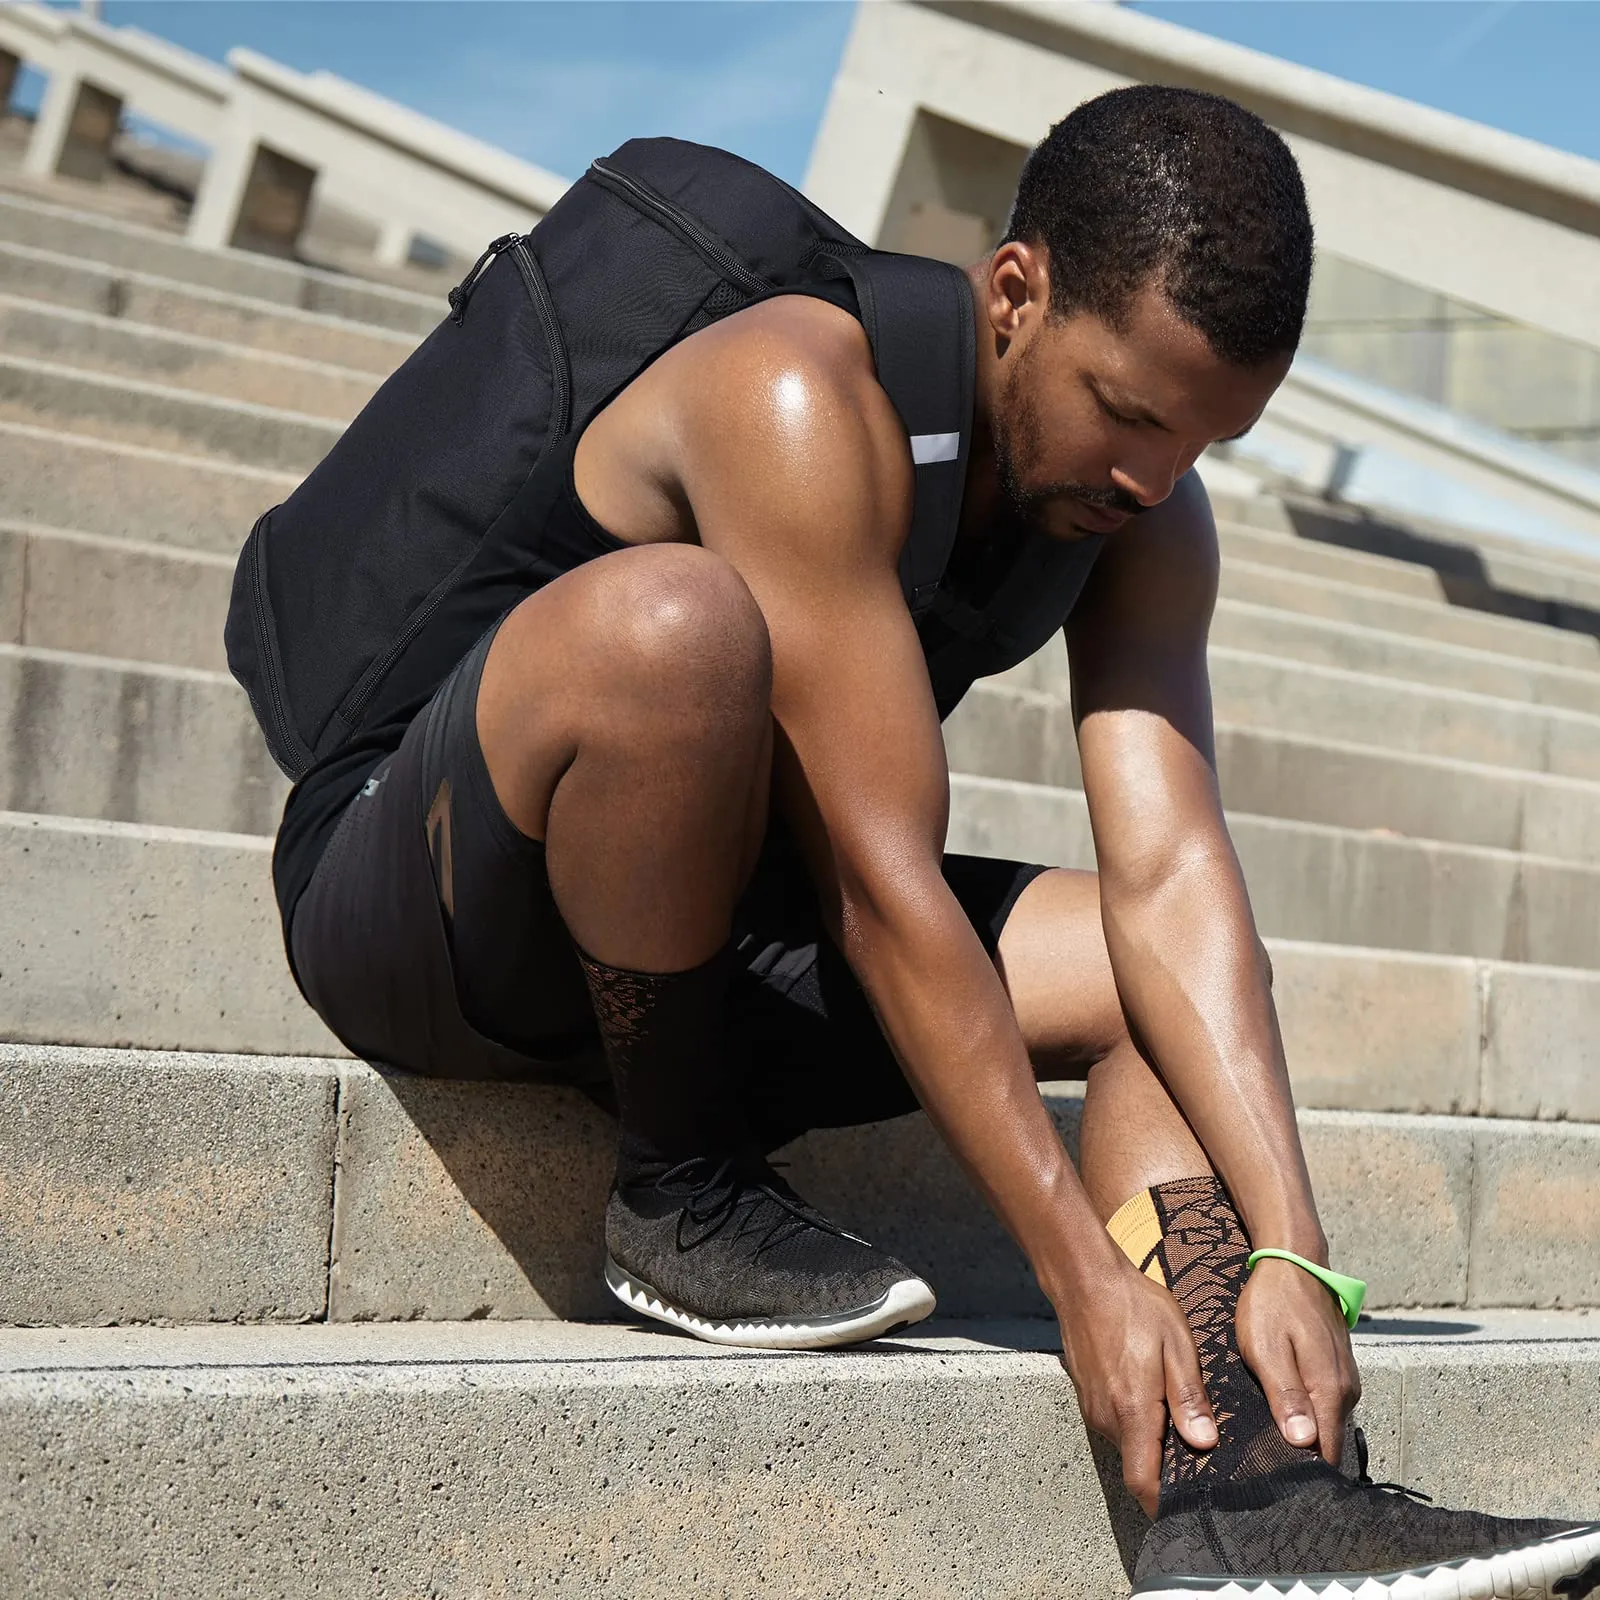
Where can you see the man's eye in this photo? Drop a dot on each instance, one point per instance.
(1115, 415)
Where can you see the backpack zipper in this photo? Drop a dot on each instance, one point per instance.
(710, 248)
(462, 293)
(560, 370)
(560, 420)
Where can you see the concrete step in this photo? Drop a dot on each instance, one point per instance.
(117, 933)
(193, 1188)
(177, 307)
(1411, 617)
(1532, 586)
(116, 347)
(112, 597)
(46, 226)
(142, 743)
(165, 938)
(161, 417)
(1269, 630)
(71, 480)
(999, 732)
(90, 736)
(1337, 885)
(1401, 534)
(1252, 690)
(445, 1459)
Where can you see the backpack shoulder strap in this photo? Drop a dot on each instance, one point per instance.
(918, 317)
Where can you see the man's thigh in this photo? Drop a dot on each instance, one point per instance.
(428, 938)
(1052, 957)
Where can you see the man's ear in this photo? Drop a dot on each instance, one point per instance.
(1018, 287)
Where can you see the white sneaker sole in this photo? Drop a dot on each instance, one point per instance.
(1527, 1574)
(906, 1302)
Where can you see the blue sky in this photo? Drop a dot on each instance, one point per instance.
(560, 81)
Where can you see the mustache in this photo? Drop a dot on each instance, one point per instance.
(1109, 499)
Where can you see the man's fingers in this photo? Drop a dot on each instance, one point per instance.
(1291, 1406)
(1186, 1394)
(1142, 1433)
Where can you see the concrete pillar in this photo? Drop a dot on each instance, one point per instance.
(9, 67)
(394, 243)
(252, 197)
(77, 122)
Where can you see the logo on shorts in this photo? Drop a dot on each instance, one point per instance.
(438, 827)
(370, 787)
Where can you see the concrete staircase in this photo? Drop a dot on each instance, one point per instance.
(282, 1324)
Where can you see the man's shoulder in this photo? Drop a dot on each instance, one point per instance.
(794, 343)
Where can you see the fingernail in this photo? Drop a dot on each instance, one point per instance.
(1302, 1430)
(1205, 1432)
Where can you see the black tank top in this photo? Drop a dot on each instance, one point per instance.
(996, 607)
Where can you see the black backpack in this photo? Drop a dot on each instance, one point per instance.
(654, 242)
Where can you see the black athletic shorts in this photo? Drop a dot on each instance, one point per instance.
(397, 980)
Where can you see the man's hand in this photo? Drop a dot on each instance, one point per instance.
(1132, 1360)
(1293, 1336)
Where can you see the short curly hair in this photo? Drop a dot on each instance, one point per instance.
(1153, 182)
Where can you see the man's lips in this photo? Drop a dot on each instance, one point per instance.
(1097, 519)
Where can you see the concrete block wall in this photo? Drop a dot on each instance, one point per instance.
(220, 1228)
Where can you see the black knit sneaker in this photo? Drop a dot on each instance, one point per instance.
(729, 1252)
(1307, 1531)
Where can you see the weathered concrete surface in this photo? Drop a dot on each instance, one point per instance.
(113, 597)
(1391, 893)
(1253, 690)
(1541, 1044)
(73, 481)
(1282, 635)
(1389, 1030)
(44, 226)
(82, 736)
(120, 934)
(457, 1201)
(471, 1201)
(117, 347)
(156, 302)
(1353, 647)
(1479, 1416)
(1555, 588)
(186, 1188)
(1344, 599)
(493, 1459)
(1536, 1215)
(1004, 732)
(161, 417)
(504, 1460)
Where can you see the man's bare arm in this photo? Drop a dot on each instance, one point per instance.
(1189, 965)
(807, 493)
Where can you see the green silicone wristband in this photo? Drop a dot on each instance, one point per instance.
(1349, 1292)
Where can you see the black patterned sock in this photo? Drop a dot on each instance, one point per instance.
(665, 1041)
(1187, 1235)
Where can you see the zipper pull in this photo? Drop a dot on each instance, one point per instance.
(462, 293)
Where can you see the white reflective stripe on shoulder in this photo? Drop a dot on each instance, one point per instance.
(926, 448)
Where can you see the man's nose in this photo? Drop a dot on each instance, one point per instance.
(1149, 475)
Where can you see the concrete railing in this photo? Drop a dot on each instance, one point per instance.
(274, 135)
(285, 128)
(935, 105)
(95, 74)
(1347, 439)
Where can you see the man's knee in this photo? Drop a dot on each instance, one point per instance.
(685, 634)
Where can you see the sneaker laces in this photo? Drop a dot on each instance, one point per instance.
(1364, 1478)
(717, 1198)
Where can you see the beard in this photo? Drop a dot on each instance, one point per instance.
(1018, 434)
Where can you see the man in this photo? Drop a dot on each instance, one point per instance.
(691, 794)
